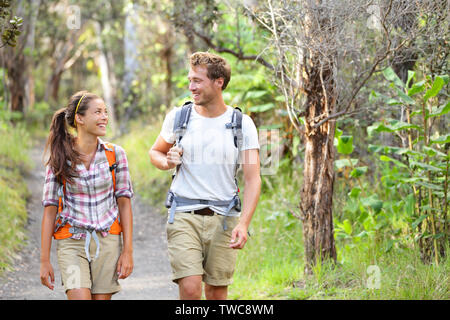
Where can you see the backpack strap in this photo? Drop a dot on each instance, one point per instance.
(182, 117)
(181, 121)
(236, 126)
(110, 152)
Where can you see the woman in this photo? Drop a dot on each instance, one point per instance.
(87, 204)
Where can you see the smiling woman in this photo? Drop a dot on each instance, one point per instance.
(86, 193)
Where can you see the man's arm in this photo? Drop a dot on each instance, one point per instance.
(164, 155)
(252, 189)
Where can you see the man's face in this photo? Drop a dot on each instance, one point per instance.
(203, 89)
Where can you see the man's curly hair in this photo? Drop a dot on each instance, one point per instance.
(216, 66)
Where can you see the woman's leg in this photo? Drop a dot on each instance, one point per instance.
(79, 294)
(103, 296)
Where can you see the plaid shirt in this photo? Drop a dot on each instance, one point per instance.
(90, 201)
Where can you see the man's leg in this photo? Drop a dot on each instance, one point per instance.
(215, 292)
(190, 288)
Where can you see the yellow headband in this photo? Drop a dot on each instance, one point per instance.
(76, 110)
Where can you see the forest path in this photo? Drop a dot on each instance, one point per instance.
(151, 277)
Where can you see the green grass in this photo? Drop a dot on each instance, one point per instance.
(150, 182)
(271, 266)
(14, 162)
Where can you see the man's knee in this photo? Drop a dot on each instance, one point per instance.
(190, 287)
(216, 292)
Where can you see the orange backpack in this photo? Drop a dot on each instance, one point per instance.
(64, 231)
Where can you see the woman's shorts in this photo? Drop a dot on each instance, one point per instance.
(99, 275)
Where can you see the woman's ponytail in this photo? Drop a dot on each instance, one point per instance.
(60, 142)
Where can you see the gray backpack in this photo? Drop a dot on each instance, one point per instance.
(180, 126)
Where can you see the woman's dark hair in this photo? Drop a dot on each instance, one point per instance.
(61, 142)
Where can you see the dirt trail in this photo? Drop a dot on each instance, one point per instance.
(150, 279)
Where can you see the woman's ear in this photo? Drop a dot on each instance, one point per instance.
(78, 119)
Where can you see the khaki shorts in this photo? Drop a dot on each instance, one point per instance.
(99, 275)
(198, 245)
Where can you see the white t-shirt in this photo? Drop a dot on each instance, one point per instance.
(209, 157)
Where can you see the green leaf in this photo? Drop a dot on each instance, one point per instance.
(341, 163)
(354, 193)
(416, 88)
(345, 144)
(439, 111)
(388, 159)
(358, 172)
(405, 98)
(280, 98)
(430, 185)
(338, 132)
(390, 75)
(424, 166)
(411, 75)
(262, 107)
(441, 139)
(254, 94)
(373, 203)
(409, 204)
(392, 126)
(295, 143)
(347, 227)
(432, 152)
(438, 83)
(389, 245)
(418, 221)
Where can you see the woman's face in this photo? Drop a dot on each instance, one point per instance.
(95, 119)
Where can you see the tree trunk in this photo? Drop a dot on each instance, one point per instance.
(105, 77)
(131, 65)
(62, 61)
(17, 79)
(317, 190)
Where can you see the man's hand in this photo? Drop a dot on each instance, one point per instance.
(238, 237)
(174, 157)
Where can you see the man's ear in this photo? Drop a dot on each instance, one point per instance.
(219, 82)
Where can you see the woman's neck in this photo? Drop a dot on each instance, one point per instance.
(85, 143)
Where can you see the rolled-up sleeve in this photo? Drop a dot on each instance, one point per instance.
(51, 185)
(123, 179)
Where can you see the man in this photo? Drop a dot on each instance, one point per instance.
(205, 227)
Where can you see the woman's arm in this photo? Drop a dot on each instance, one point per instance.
(47, 228)
(125, 263)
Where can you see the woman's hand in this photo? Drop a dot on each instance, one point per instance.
(125, 265)
(47, 274)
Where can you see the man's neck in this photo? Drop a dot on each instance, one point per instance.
(211, 110)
